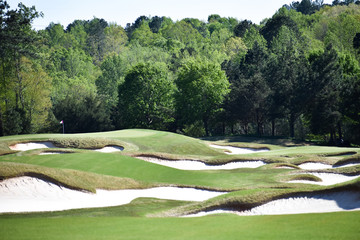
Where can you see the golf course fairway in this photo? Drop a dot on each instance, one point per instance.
(46, 168)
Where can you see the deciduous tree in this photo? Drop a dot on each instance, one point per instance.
(202, 87)
(146, 97)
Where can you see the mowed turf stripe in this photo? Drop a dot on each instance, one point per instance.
(343, 225)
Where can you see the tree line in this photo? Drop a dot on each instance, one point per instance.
(296, 74)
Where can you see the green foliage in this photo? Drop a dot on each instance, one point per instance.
(270, 93)
(144, 36)
(146, 97)
(36, 96)
(249, 90)
(242, 27)
(113, 72)
(307, 6)
(82, 112)
(115, 39)
(182, 32)
(71, 69)
(273, 26)
(194, 130)
(202, 87)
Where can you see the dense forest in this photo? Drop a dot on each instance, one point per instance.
(296, 74)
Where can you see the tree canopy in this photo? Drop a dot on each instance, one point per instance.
(296, 74)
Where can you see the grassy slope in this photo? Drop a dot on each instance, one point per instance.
(90, 170)
(128, 167)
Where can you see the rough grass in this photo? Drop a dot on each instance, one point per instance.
(72, 179)
(307, 177)
(127, 167)
(139, 207)
(351, 159)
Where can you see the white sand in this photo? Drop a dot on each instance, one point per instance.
(285, 167)
(40, 145)
(110, 149)
(327, 179)
(51, 153)
(317, 166)
(31, 146)
(197, 165)
(308, 203)
(206, 213)
(237, 150)
(28, 194)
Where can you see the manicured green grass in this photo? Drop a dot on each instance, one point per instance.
(89, 170)
(127, 167)
(138, 140)
(342, 225)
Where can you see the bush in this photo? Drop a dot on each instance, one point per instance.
(195, 130)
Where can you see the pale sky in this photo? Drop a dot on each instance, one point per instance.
(127, 11)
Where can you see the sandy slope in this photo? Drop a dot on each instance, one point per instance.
(237, 150)
(28, 194)
(31, 146)
(41, 145)
(309, 203)
(327, 179)
(317, 166)
(197, 165)
(110, 149)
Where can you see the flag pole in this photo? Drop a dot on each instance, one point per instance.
(63, 125)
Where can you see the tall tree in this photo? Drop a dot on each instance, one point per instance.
(82, 111)
(146, 97)
(325, 75)
(95, 29)
(202, 87)
(115, 39)
(113, 72)
(17, 40)
(247, 101)
(274, 25)
(288, 77)
(242, 27)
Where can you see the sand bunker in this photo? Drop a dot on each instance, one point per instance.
(237, 150)
(285, 167)
(327, 179)
(28, 194)
(110, 149)
(40, 145)
(51, 153)
(31, 146)
(307, 203)
(317, 166)
(197, 165)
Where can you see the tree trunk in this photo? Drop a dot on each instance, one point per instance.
(292, 125)
(340, 131)
(1, 124)
(223, 127)
(17, 88)
(332, 142)
(259, 129)
(273, 127)
(246, 128)
(205, 121)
